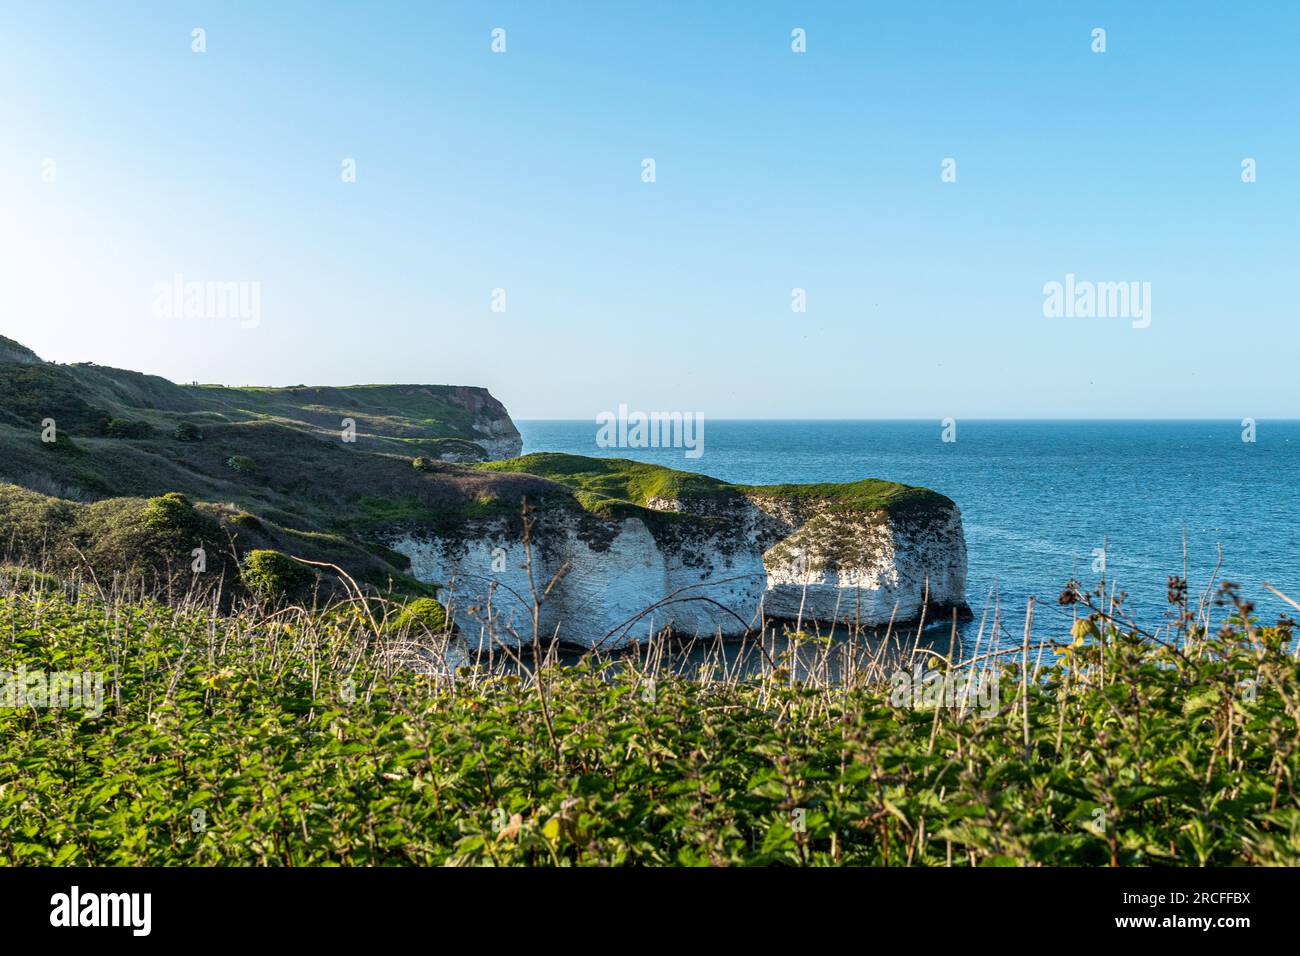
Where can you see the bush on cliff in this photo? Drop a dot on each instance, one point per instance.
(188, 432)
(273, 577)
(126, 428)
(150, 537)
(422, 614)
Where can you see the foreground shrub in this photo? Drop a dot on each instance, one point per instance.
(271, 576)
(299, 742)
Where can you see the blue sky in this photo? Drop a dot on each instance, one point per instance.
(775, 170)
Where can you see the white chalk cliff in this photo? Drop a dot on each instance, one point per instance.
(493, 431)
(700, 565)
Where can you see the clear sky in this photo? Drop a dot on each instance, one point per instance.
(774, 170)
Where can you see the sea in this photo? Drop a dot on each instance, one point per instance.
(1044, 501)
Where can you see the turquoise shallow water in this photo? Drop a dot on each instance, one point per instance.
(1038, 497)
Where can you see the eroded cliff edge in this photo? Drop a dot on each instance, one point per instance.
(650, 548)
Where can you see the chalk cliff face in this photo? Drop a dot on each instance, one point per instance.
(700, 564)
(493, 429)
(499, 438)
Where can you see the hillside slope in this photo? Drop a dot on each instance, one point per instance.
(94, 401)
(298, 469)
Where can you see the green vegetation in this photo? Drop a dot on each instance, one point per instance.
(595, 480)
(28, 579)
(298, 739)
(600, 482)
(85, 398)
(144, 538)
(11, 351)
(448, 449)
(151, 542)
(411, 511)
(378, 512)
(125, 428)
(274, 468)
(274, 577)
(31, 394)
(423, 613)
(864, 496)
(246, 521)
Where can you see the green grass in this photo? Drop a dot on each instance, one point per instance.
(378, 513)
(618, 479)
(436, 447)
(133, 412)
(30, 394)
(297, 740)
(271, 464)
(392, 411)
(599, 481)
(151, 541)
(866, 495)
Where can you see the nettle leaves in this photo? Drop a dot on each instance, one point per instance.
(284, 739)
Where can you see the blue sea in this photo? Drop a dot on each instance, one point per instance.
(1040, 498)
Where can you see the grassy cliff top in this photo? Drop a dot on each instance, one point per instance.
(126, 433)
(396, 411)
(619, 479)
(86, 394)
(599, 480)
(866, 494)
